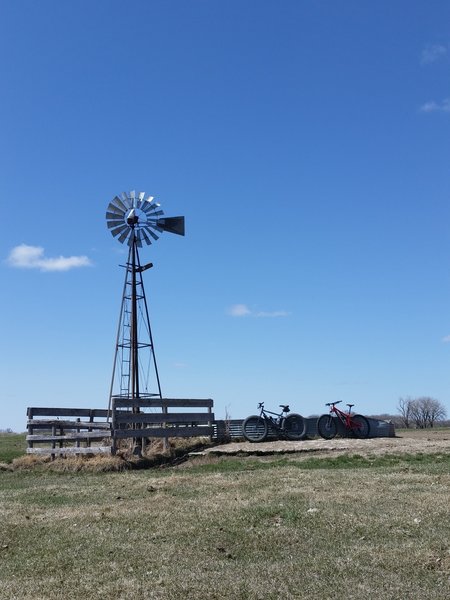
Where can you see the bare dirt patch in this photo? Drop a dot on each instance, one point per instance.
(406, 442)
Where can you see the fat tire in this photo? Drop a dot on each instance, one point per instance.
(294, 427)
(327, 427)
(255, 429)
(362, 432)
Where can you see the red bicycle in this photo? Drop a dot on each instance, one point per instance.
(357, 425)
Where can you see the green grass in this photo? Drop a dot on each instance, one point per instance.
(344, 461)
(411, 461)
(234, 528)
(12, 445)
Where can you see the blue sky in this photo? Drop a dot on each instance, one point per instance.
(307, 144)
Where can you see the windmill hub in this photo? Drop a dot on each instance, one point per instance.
(133, 218)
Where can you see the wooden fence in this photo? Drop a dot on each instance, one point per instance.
(130, 421)
(67, 431)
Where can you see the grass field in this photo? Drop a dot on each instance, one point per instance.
(12, 445)
(235, 528)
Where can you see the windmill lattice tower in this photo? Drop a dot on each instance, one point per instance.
(136, 219)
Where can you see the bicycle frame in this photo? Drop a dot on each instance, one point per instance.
(345, 418)
(278, 422)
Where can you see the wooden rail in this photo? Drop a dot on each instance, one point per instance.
(130, 421)
(63, 432)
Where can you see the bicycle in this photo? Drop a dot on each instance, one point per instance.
(256, 427)
(357, 424)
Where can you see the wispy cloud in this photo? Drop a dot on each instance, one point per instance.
(33, 257)
(433, 106)
(239, 310)
(275, 313)
(446, 339)
(433, 52)
(242, 310)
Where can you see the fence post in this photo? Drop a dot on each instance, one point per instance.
(113, 427)
(53, 455)
(210, 422)
(165, 438)
(30, 427)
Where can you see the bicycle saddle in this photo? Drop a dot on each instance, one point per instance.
(285, 407)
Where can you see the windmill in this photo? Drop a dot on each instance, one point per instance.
(136, 219)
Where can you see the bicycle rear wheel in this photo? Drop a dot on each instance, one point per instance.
(254, 429)
(360, 426)
(294, 427)
(326, 427)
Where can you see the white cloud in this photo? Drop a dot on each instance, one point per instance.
(433, 52)
(32, 257)
(239, 310)
(242, 310)
(446, 339)
(433, 106)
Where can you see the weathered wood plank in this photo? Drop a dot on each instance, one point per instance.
(122, 417)
(49, 423)
(33, 411)
(164, 402)
(158, 432)
(71, 450)
(91, 435)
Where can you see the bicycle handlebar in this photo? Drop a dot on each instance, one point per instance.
(261, 405)
(333, 403)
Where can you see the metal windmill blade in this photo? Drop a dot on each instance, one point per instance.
(125, 235)
(121, 229)
(147, 240)
(152, 233)
(133, 217)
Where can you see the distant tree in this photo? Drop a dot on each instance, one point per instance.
(423, 412)
(396, 420)
(404, 408)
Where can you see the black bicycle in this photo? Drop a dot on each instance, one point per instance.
(291, 426)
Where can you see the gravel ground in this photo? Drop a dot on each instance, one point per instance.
(429, 442)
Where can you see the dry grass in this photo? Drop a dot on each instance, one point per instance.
(230, 528)
(154, 455)
(85, 463)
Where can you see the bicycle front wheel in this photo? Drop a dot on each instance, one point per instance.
(294, 427)
(360, 426)
(326, 427)
(254, 429)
